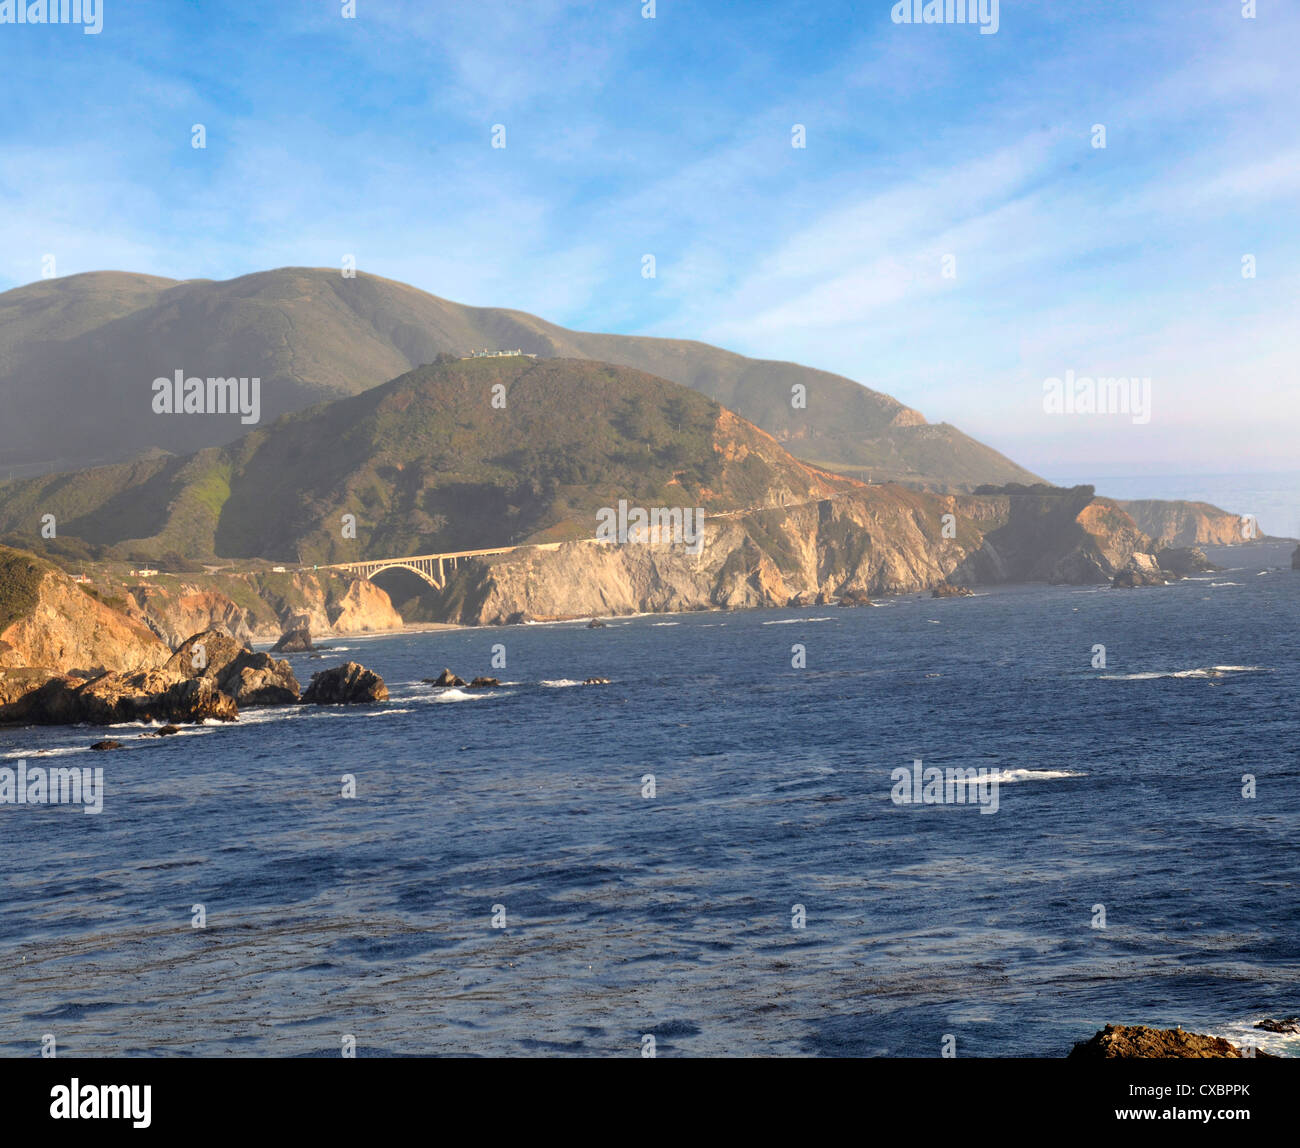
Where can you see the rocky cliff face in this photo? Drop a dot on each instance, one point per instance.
(55, 624)
(1185, 523)
(259, 607)
(1046, 534)
(880, 543)
(871, 541)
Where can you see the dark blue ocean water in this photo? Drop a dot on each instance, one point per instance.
(671, 915)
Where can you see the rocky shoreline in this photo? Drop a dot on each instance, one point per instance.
(209, 677)
(1129, 1042)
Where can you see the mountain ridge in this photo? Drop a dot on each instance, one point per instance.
(311, 334)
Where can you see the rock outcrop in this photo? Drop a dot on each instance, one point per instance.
(47, 620)
(446, 678)
(111, 698)
(294, 641)
(1129, 1041)
(947, 590)
(348, 684)
(1142, 570)
(252, 679)
(1184, 560)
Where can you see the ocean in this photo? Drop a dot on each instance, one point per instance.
(674, 916)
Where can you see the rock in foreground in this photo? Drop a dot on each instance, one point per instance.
(1139, 1041)
(252, 679)
(348, 684)
(153, 695)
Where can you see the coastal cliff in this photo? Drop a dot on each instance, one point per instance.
(256, 607)
(1185, 523)
(49, 621)
(870, 541)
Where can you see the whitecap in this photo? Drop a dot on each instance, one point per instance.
(1008, 775)
(795, 621)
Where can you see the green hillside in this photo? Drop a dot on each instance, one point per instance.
(427, 463)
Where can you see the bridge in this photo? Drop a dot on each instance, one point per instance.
(432, 568)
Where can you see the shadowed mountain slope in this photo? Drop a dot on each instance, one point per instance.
(78, 357)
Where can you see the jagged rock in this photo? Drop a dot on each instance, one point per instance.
(208, 653)
(595, 624)
(1142, 570)
(348, 684)
(1184, 560)
(261, 681)
(296, 641)
(252, 679)
(1286, 1024)
(446, 678)
(110, 698)
(855, 598)
(165, 731)
(108, 743)
(596, 682)
(948, 590)
(484, 683)
(1141, 1041)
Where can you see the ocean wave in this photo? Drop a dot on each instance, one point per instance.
(457, 695)
(1200, 672)
(1225, 583)
(665, 623)
(795, 621)
(30, 754)
(1009, 775)
(556, 683)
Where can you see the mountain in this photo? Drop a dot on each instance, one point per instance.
(464, 455)
(78, 357)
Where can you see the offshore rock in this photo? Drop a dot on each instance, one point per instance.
(348, 684)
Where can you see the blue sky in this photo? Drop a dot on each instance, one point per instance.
(671, 136)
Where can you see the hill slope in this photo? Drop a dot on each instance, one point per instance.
(426, 463)
(78, 357)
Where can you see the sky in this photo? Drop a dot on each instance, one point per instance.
(949, 234)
